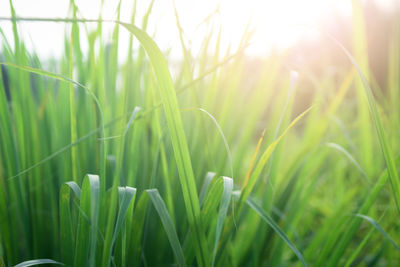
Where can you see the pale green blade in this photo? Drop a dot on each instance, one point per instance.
(37, 262)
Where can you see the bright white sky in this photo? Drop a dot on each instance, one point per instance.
(275, 20)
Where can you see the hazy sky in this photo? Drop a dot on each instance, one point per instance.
(275, 21)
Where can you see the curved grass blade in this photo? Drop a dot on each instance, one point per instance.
(206, 184)
(37, 262)
(228, 151)
(135, 112)
(252, 178)
(387, 153)
(55, 76)
(276, 228)
(211, 194)
(211, 200)
(223, 209)
(126, 198)
(379, 228)
(75, 188)
(178, 138)
(168, 225)
(349, 156)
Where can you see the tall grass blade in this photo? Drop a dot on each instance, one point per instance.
(178, 138)
(387, 153)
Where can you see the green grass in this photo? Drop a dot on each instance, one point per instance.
(104, 163)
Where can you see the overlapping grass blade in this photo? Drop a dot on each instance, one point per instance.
(252, 178)
(168, 225)
(276, 228)
(352, 227)
(66, 79)
(126, 198)
(178, 138)
(206, 184)
(387, 153)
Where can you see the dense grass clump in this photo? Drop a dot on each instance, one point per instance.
(108, 163)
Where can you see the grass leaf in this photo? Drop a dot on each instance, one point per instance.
(37, 262)
(168, 225)
(276, 228)
(379, 228)
(223, 209)
(178, 138)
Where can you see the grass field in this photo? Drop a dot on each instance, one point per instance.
(229, 163)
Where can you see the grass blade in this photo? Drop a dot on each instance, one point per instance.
(356, 252)
(178, 138)
(206, 184)
(252, 178)
(168, 225)
(387, 153)
(72, 114)
(349, 156)
(126, 197)
(276, 228)
(92, 95)
(379, 228)
(94, 182)
(136, 232)
(37, 262)
(67, 233)
(85, 248)
(223, 209)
